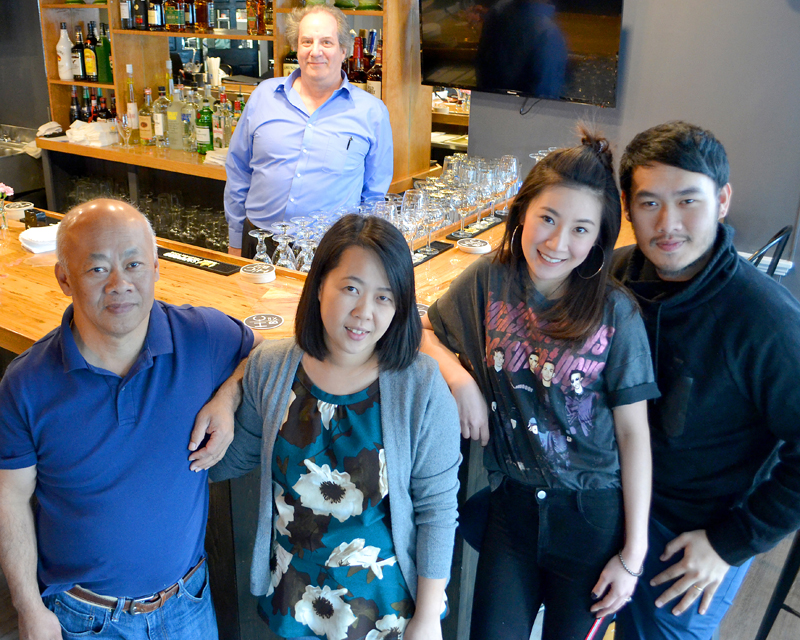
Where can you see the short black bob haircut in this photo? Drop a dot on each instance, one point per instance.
(675, 144)
(398, 347)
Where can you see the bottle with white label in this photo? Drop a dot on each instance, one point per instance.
(146, 128)
(64, 54)
(175, 121)
(160, 118)
(132, 107)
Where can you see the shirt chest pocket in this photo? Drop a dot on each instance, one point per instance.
(346, 154)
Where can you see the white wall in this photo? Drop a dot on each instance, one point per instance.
(731, 66)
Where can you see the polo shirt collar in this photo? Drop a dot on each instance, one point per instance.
(158, 340)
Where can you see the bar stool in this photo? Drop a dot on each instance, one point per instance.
(785, 582)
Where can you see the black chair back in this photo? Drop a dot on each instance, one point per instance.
(779, 241)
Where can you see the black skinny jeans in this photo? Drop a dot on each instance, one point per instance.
(544, 546)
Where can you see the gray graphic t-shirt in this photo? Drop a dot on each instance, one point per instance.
(550, 401)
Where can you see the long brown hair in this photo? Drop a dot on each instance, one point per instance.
(579, 309)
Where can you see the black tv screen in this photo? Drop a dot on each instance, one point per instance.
(555, 49)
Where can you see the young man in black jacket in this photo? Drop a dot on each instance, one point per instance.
(726, 344)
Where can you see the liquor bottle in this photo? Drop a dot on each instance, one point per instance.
(174, 16)
(78, 61)
(75, 106)
(370, 48)
(126, 14)
(90, 56)
(93, 109)
(175, 121)
(357, 75)
(160, 117)
(170, 85)
(188, 14)
(105, 75)
(252, 17)
(91, 35)
(204, 124)
(189, 118)
(269, 17)
(155, 15)
(146, 120)
(238, 107)
(221, 122)
(290, 63)
(103, 114)
(64, 55)
(140, 15)
(375, 74)
(131, 107)
(113, 108)
(204, 16)
(86, 107)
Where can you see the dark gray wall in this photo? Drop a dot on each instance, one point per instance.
(22, 75)
(732, 66)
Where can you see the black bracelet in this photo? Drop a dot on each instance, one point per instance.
(625, 566)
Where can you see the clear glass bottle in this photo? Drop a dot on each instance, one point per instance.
(160, 108)
(131, 107)
(175, 121)
(146, 134)
(221, 122)
(189, 117)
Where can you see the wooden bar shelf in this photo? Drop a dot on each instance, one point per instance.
(82, 83)
(64, 5)
(217, 34)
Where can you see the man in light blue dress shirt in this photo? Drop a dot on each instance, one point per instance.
(308, 142)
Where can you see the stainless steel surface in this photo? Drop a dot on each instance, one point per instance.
(17, 168)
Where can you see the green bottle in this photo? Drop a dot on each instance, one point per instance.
(105, 74)
(205, 119)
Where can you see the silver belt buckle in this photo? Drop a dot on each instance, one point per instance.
(134, 608)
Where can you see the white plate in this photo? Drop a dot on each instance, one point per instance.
(474, 245)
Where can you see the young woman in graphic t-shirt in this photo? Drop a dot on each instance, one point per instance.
(563, 420)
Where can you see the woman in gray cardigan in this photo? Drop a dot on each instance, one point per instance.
(358, 440)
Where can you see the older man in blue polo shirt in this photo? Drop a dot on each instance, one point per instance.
(96, 420)
(308, 142)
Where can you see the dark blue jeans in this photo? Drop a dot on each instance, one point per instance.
(543, 546)
(640, 620)
(187, 614)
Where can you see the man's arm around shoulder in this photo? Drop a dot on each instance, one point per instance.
(215, 419)
(18, 555)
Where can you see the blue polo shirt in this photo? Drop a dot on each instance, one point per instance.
(120, 512)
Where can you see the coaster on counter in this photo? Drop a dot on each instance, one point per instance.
(473, 230)
(422, 309)
(214, 266)
(418, 258)
(259, 273)
(264, 321)
(474, 245)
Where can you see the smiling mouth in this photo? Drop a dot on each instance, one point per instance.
(669, 244)
(550, 260)
(357, 333)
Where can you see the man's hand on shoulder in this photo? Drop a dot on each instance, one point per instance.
(39, 624)
(698, 573)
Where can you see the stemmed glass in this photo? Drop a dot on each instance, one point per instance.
(483, 185)
(284, 255)
(306, 255)
(261, 248)
(431, 219)
(464, 201)
(124, 129)
(509, 170)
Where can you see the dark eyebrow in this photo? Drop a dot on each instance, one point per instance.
(360, 281)
(689, 191)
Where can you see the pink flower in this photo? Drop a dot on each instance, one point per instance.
(5, 191)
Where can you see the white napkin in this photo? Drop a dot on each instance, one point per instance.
(49, 127)
(39, 236)
(217, 157)
(32, 150)
(38, 248)
(96, 134)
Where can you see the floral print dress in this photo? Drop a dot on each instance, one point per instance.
(334, 570)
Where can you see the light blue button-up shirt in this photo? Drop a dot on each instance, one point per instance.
(283, 162)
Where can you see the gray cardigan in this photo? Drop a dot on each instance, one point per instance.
(421, 438)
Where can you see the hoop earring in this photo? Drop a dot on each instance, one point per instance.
(514, 237)
(591, 257)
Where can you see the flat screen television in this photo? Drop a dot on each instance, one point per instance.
(554, 49)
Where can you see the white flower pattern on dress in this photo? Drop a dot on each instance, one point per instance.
(282, 558)
(326, 411)
(292, 397)
(285, 511)
(324, 612)
(329, 493)
(355, 554)
(388, 627)
(383, 477)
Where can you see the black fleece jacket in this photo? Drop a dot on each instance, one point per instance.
(726, 350)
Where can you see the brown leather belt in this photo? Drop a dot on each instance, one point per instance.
(139, 605)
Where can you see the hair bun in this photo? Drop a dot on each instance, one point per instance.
(597, 143)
